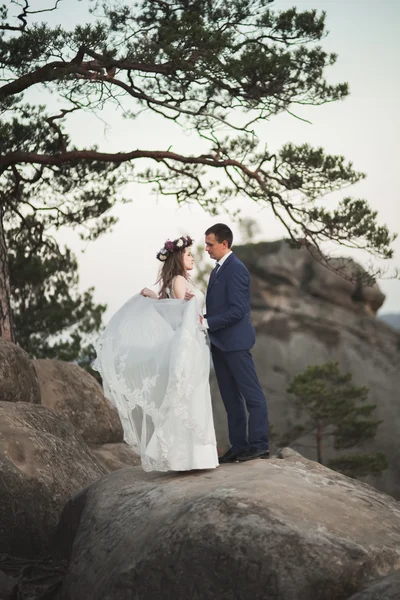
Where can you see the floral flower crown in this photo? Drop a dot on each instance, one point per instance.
(171, 246)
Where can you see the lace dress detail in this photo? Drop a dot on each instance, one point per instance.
(154, 362)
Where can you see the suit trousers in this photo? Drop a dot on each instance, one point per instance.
(240, 390)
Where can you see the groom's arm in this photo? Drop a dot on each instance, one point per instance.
(238, 293)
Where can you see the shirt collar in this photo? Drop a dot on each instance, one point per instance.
(223, 259)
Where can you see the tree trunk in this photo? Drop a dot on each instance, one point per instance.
(7, 331)
(320, 427)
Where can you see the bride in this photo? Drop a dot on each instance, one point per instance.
(154, 363)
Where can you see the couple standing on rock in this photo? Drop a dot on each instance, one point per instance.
(154, 361)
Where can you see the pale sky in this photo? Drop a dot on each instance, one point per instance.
(364, 128)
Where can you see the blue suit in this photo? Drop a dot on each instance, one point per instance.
(232, 336)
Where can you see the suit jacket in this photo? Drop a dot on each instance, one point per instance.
(228, 307)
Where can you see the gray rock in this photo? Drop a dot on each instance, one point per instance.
(18, 380)
(7, 585)
(387, 588)
(72, 392)
(115, 456)
(43, 461)
(286, 453)
(30, 579)
(285, 272)
(276, 530)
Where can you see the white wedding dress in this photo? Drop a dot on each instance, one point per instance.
(154, 363)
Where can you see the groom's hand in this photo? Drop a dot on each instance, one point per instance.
(188, 295)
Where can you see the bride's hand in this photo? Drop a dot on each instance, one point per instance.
(148, 293)
(188, 295)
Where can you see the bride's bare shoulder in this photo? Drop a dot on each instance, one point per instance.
(178, 281)
(179, 285)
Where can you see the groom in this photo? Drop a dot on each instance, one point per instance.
(232, 336)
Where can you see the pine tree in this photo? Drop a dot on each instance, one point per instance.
(218, 68)
(336, 408)
(52, 318)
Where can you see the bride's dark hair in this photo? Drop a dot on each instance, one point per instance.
(171, 268)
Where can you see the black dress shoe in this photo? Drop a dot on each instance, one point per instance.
(253, 453)
(230, 456)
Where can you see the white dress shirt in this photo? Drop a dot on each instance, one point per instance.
(221, 261)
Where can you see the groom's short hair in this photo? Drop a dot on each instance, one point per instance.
(222, 233)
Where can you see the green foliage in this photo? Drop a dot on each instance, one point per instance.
(52, 319)
(326, 393)
(359, 465)
(217, 68)
(75, 194)
(208, 65)
(291, 435)
(336, 408)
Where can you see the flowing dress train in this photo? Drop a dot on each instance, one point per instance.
(154, 362)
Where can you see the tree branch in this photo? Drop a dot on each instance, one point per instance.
(43, 10)
(61, 69)
(19, 157)
(57, 128)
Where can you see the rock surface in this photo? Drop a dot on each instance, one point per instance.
(387, 588)
(276, 530)
(289, 273)
(304, 314)
(72, 392)
(7, 586)
(286, 452)
(43, 461)
(115, 456)
(18, 380)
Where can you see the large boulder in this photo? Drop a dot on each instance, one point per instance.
(18, 380)
(305, 314)
(266, 530)
(72, 392)
(43, 461)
